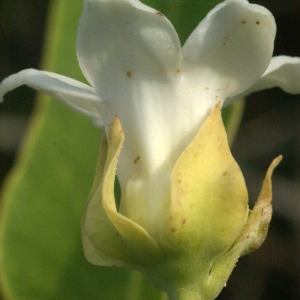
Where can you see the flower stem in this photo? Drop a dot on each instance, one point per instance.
(135, 286)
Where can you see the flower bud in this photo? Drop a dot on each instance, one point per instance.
(207, 226)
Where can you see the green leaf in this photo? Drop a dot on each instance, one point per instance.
(44, 197)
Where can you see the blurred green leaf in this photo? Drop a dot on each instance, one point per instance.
(43, 199)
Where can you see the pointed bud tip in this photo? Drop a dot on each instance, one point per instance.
(276, 161)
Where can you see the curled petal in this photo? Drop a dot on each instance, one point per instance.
(251, 237)
(70, 92)
(110, 238)
(102, 243)
(228, 51)
(136, 236)
(259, 220)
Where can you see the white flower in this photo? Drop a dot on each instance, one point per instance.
(162, 94)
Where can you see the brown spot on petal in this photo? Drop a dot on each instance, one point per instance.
(225, 42)
(136, 160)
(178, 71)
(257, 22)
(183, 221)
(128, 74)
(173, 229)
(243, 21)
(159, 13)
(225, 173)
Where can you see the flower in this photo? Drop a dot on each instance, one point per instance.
(183, 216)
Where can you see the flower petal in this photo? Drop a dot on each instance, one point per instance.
(135, 235)
(102, 243)
(228, 51)
(110, 238)
(209, 197)
(134, 66)
(257, 226)
(283, 72)
(251, 237)
(121, 42)
(70, 92)
(208, 211)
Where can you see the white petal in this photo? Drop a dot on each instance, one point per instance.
(72, 93)
(283, 72)
(120, 42)
(131, 55)
(229, 50)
